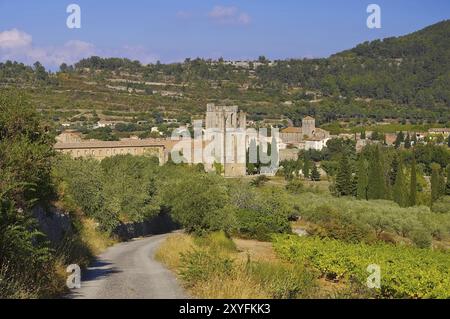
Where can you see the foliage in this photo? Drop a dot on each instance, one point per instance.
(406, 272)
(369, 221)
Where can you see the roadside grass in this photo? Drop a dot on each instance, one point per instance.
(214, 267)
(95, 240)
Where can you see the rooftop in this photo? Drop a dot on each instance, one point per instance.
(292, 130)
(111, 144)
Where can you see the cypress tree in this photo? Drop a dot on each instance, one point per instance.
(394, 169)
(408, 142)
(400, 139)
(344, 182)
(435, 182)
(306, 166)
(315, 175)
(400, 190)
(447, 186)
(413, 182)
(414, 139)
(377, 183)
(363, 179)
(442, 184)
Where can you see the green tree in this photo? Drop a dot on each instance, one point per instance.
(413, 182)
(400, 189)
(377, 180)
(362, 179)
(344, 178)
(408, 141)
(306, 166)
(315, 175)
(447, 187)
(400, 139)
(435, 182)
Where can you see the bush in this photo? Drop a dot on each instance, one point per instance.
(262, 212)
(259, 225)
(442, 205)
(295, 186)
(27, 265)
(352, 220)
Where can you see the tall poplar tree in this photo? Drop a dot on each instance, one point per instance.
(306, 166)
(447, 187)
(363, 179)
(377, 182)
(344, 182)
(435, 182)
(400, 191)
(413, 182)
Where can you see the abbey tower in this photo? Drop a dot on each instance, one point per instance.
(226, 119)
(309, 126)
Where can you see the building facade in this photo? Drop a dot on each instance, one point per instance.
(225, 121)
(306, 137)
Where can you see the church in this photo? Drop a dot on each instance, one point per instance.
(306, 137)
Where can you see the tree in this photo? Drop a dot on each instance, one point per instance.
(362, 179)
(306, 166)
(408, 141)
(400, 139)
(413, 182)
(363, 134)
(40, 73)
(400, 188)
(344, 183)
(435, 182)
(447, 186)
(315, 175)
(377, 180)
(199, 203)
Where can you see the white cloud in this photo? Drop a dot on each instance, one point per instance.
(18, 46)
(229, 15)
(14, 38)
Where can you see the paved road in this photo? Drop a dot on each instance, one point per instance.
(129, 271)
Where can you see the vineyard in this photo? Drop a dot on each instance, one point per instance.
(406, 272)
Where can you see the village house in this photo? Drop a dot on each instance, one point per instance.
(306, 137)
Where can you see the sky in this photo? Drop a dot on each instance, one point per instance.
(172, 30)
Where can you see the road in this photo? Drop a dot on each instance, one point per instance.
(129, 271)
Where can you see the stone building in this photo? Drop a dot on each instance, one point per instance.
(225, 120)
(103, 149)
(308, 136)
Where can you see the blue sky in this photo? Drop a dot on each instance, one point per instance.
(171, 30)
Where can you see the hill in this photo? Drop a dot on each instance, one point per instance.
(405, 78)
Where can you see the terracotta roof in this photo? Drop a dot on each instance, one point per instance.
(110, 144)
(292, 130)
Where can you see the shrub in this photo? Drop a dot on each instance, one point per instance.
(352, 220)
(295, 186)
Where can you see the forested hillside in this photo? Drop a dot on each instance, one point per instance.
(405, 78)
(414, 69)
